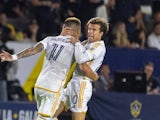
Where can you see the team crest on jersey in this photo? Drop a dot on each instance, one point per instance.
(135, 108)
(96, 45)
(92, 49)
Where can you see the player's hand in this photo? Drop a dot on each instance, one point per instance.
(5, 56)
(73, 40)
(96, 77)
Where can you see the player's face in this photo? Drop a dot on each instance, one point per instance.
(94, 33)
(72, 31)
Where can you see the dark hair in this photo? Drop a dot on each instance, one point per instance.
(104, 25)
(149, 63)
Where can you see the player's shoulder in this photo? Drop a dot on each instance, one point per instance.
(53, 38)
(98, 44)
(49, 37)
(62, 38)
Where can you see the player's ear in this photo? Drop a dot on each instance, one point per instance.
(102, 33)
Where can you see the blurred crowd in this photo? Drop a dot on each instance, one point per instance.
(130, 27)
(32, 20)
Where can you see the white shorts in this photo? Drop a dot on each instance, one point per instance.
(47, 102)
(77, 94)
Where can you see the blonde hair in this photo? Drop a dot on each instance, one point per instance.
(72, 21)
(104, 24)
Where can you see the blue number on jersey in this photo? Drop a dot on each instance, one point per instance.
(57, 49)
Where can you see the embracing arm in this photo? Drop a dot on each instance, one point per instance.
(81, 54)
(84, 67)
(5, 56)
(82, 57)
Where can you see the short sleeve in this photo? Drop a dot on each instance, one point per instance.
(44, 42)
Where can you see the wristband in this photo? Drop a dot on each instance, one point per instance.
(14, 57)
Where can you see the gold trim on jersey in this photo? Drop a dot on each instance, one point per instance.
(44, 115)
(81, 94)
(54, 107)
(46, 89)
(51, 90)
(94, 46)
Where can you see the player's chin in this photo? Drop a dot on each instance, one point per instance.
(90, 38)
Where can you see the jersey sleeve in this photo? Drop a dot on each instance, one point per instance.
(44, 42)
(82, 55)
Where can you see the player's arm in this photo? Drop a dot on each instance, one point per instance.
(84, 67)
(81, 55)
(5, 56)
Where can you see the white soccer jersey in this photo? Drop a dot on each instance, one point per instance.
(93, 54)
(57, 62)
(79, 90)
